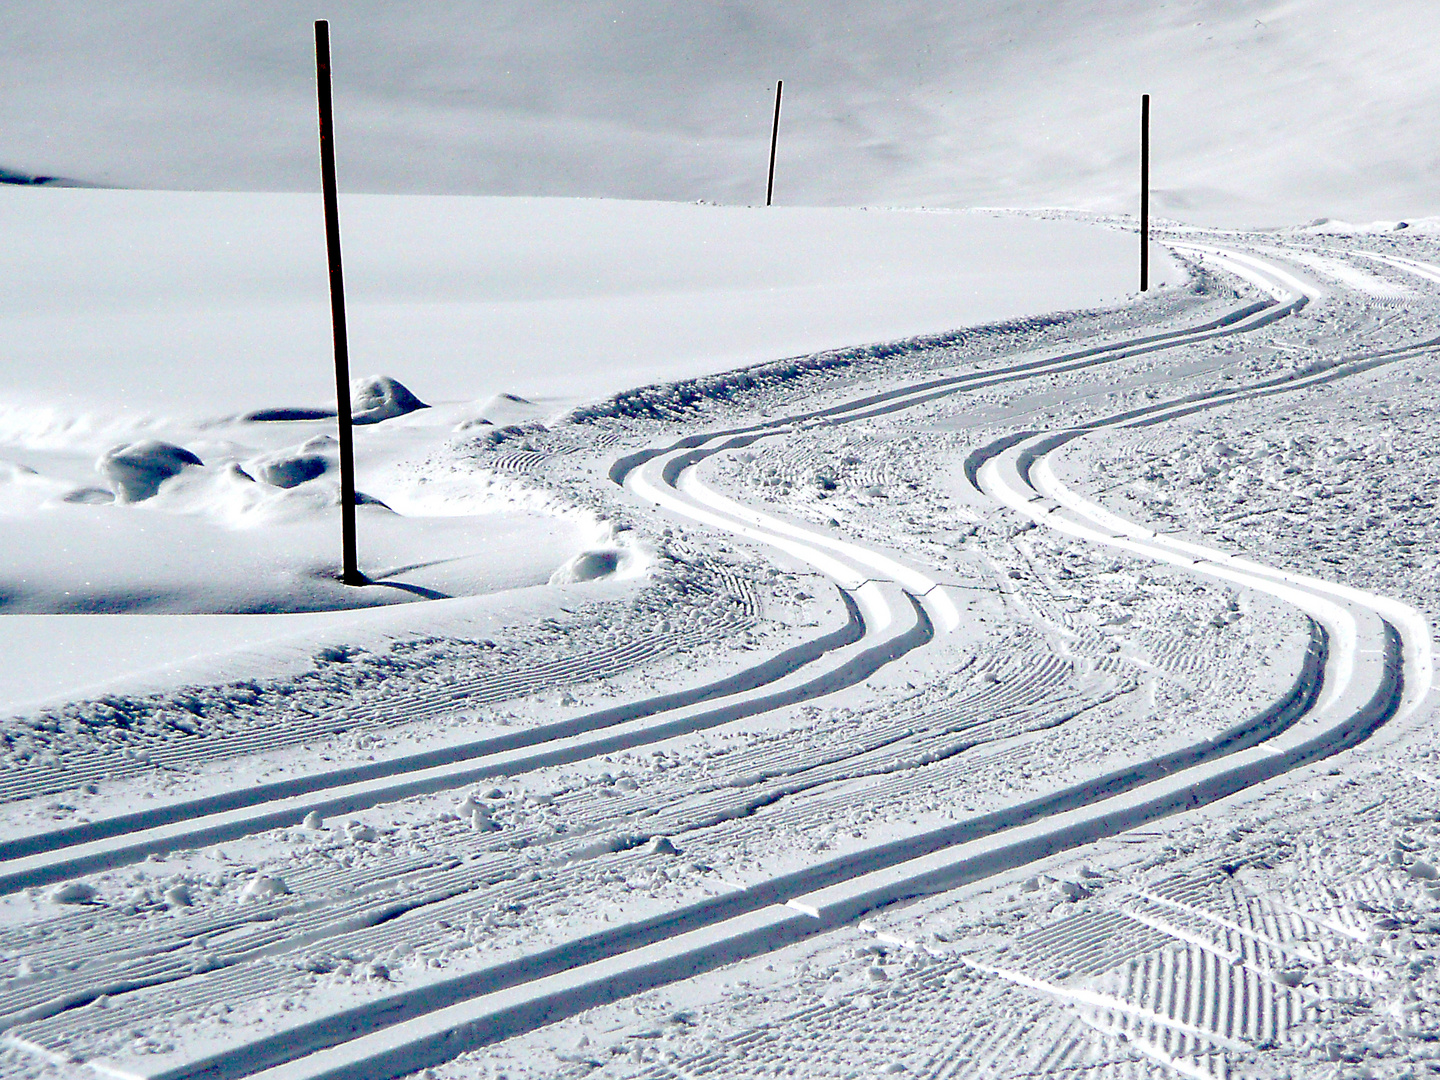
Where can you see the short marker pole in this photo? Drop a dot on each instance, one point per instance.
(774, 141)
(350, 566)
(1144, 192)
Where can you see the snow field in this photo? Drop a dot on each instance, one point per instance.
(1066, 667)
(1202, 993)
(550, 301)
(491, 820)
(131, 287)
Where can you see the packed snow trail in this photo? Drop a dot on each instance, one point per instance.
(896, 627)
(667, 481)
(1363, 690)
(1235, 989)
(1358, 689)
(57, 854)
(1365, 697)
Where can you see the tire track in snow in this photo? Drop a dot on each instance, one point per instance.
(1179, 1050)
(1242, 320)
(1221, 967)
(1238, 986)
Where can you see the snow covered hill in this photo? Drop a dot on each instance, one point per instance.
(810, 641)
(133, 305)
(1266, 111)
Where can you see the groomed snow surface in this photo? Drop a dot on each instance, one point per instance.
(1000, 674)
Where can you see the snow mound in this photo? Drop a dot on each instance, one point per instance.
(380, 397)
(73, 892)
(288, 472)
(291, 467)
(263, 887)
(178, 896)
(610, 553)
(507, 410)
(137, 470)
(589, 565)
(293, 471)
(1330, 227)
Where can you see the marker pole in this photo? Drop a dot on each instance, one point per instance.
(1144, 192)
(774, 141)
(350, 569)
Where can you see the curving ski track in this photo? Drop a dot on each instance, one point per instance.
(1372, 662)
(55, 855)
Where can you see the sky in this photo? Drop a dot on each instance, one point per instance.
(1264, 112)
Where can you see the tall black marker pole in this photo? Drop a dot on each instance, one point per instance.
(350, 570)
(774, 141)
(1144, 192)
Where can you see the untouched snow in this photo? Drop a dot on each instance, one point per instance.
(145, 327)
(208, 305)
(1265, 113)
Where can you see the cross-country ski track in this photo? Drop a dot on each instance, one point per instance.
(1368, 663)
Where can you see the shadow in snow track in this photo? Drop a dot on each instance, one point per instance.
(776, 667)
(58, 864)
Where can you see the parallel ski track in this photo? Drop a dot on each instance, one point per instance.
(34, 782)
(839, 659)
(451, 891)
(1371, 699)
(1191, 982)
(751, 927)
(184, 752)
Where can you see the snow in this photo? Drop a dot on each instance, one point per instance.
(380, 397)
(497, 312)
(1263, 113)
(136, 471)
(801, 641)
(215, 305)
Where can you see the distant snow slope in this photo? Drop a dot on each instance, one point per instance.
(165, 444)
(1267, 111)
(132, 305)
